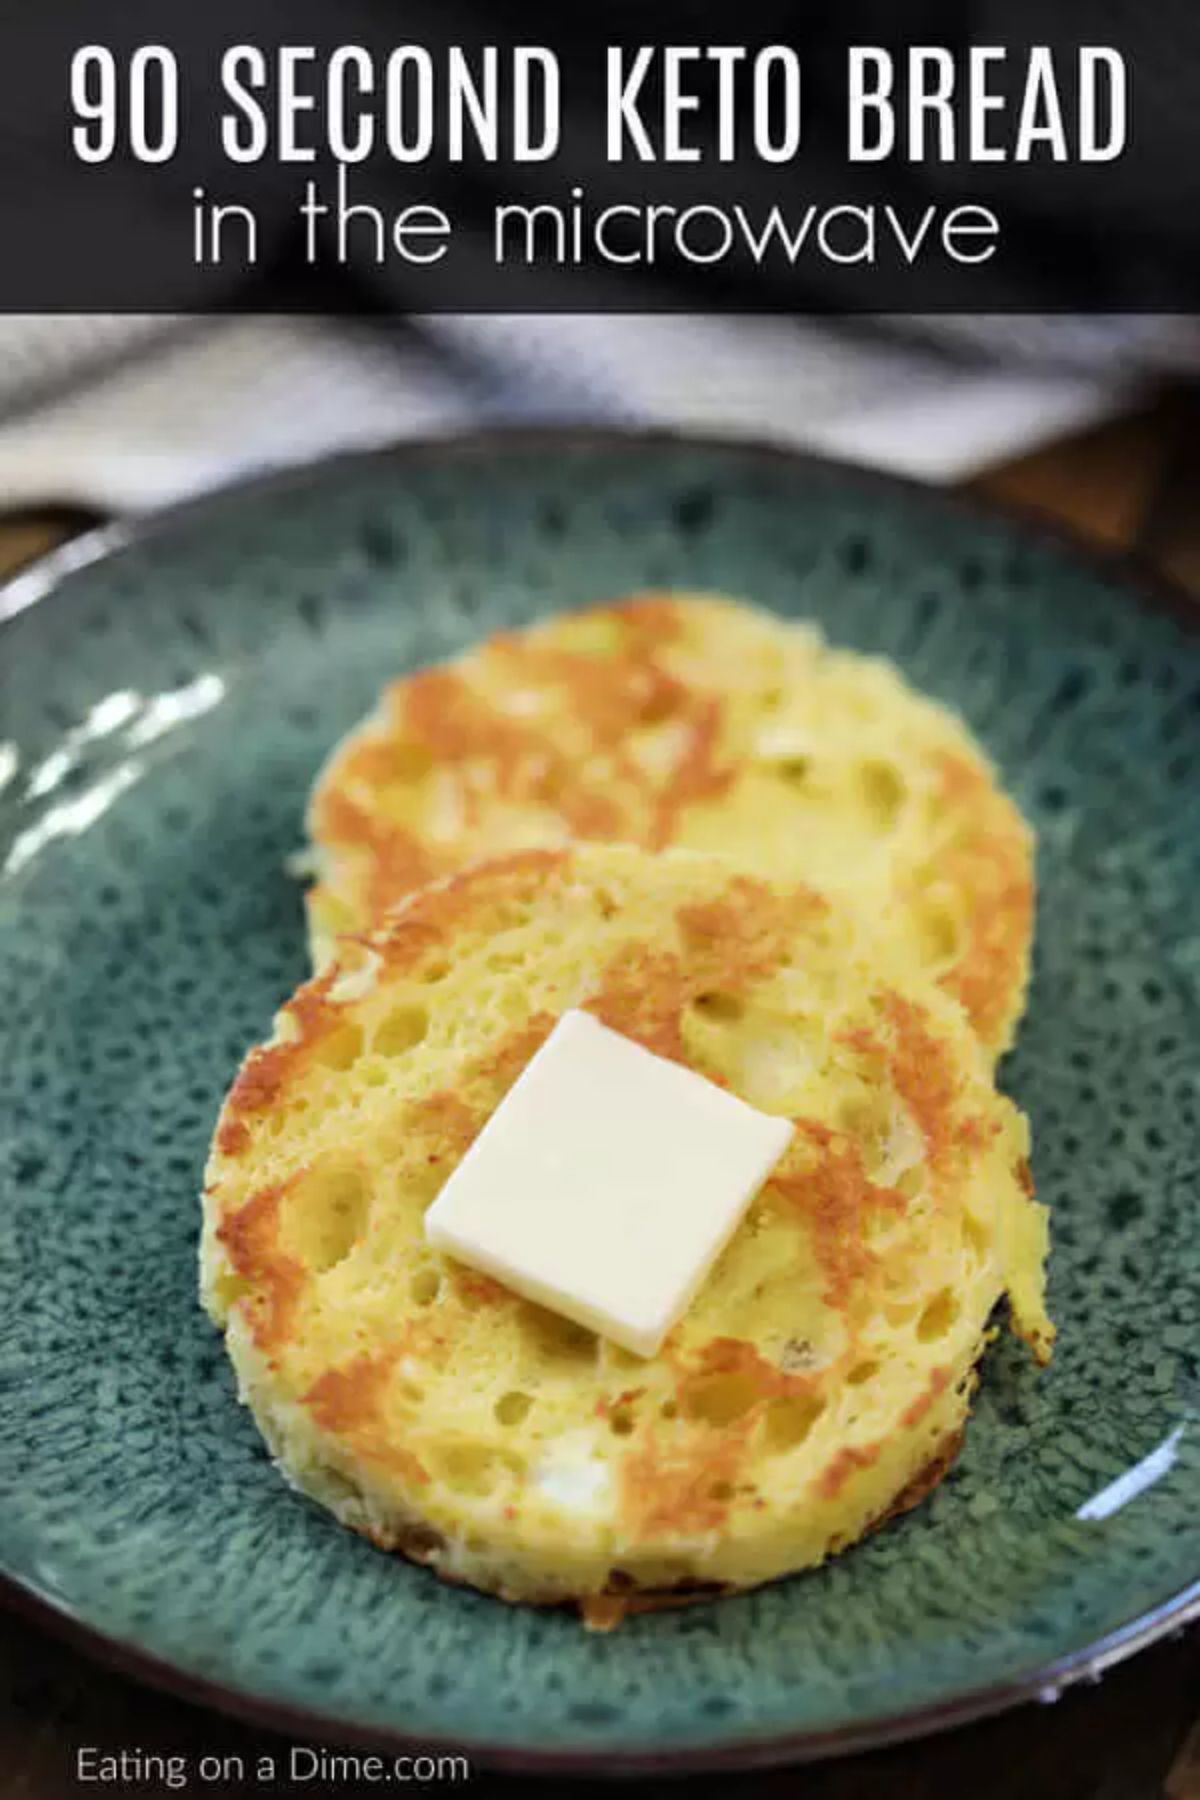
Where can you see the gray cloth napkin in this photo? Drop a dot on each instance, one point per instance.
(130, 413)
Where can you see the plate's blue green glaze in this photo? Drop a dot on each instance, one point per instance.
(163, 710)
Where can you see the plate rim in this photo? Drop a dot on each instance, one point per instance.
(35, 579)
(1047, 1684)
(42, 577)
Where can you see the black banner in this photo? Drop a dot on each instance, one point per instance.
(1000, 156)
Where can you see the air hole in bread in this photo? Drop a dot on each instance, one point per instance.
(862, 1372)
(793, 771)
(720, 1399)
(867, 1118)
(401, 1030)
(879, 1226)
(883, 791)
(622, 1422)
(863, 1116)
(425, 1287)
(976, 1235)
(470, 1468)
(938, 1316)
(940, 932)
(326, 1214)
(339, 1048)
(230, 1287)
(725, 1009)
(790, 1418)
(512, 1407)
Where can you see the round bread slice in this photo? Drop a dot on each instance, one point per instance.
(698, 721)
(824, 1370)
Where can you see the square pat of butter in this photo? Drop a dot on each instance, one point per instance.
(606, 1183)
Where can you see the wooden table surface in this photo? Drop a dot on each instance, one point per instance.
(1130, 486)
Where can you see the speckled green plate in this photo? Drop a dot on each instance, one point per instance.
(167, 692)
